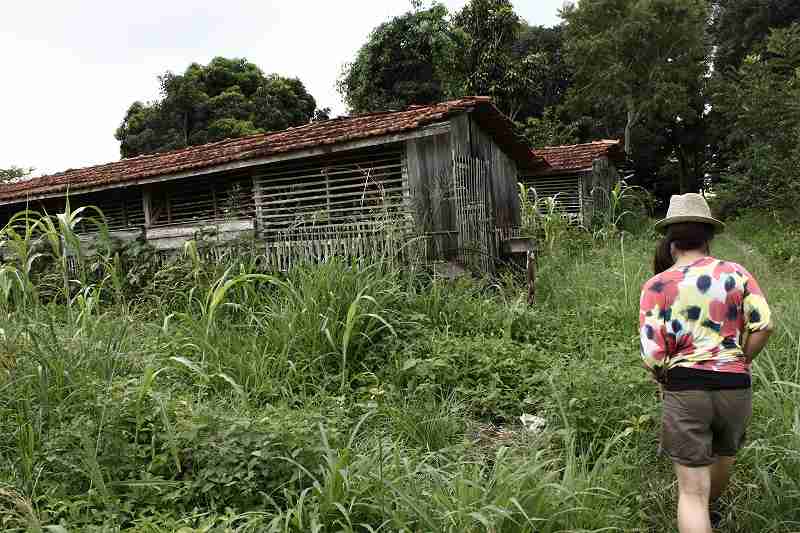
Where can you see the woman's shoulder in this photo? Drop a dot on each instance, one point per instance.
(664, 278)
(724, 266)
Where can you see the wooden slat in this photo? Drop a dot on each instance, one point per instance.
(292, 178)
(357, 195)
(353, 181)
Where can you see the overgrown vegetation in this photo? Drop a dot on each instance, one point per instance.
(211, 396)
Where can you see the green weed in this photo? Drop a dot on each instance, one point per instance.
(203, 395)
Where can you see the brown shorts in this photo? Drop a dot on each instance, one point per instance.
(697, 426)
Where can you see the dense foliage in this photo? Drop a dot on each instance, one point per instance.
(426, 55)
(212, 396)
(758, 103)
(740, 27)
(401, 64)
(640, 65)
(226, 98)
(14, 173)
(489, 57)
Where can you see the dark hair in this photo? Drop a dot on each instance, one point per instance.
(685, 236)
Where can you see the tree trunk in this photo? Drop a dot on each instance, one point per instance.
(687, 180)
(633, 118)
(683, 178)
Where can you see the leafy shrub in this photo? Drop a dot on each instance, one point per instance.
(495, 377)
(245, 461)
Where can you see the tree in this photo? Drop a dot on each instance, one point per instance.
(549, 130)
(226, 98)
(740, 27)
(490, 59)
(544, 48)
(402, 63)
(635, 57)
(423, 57)
(759, 106)
(14, 173)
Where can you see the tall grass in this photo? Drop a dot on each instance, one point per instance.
(213, 396)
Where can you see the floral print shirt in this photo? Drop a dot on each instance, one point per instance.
(698, 316)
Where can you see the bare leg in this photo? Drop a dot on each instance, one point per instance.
(720, 475)
(694, 488)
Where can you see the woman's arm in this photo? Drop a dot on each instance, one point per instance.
(758, 319)
(755, 343)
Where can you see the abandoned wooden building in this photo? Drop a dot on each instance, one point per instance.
(443, 177)
(580, 176)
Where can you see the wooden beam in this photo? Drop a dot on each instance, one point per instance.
(147, 201)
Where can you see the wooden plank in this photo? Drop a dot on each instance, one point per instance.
(325, 185)
(352, 196)
(146, 206)
(257, 200)
(352, 172)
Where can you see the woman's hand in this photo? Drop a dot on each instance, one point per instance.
(754, 343)
(660, 385)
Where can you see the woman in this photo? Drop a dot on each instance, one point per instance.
(702, 321)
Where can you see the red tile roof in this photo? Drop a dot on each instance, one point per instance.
(578, 157)
(317, 134)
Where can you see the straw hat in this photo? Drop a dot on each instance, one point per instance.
(689, 207)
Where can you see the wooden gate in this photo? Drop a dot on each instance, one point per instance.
(474, 213)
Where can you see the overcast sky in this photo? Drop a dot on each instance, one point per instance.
(72, 68)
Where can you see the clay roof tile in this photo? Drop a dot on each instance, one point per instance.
(578, 157)
(317, 134)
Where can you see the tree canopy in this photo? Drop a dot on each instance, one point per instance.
(402, 63)
(760, 111)
(226, 98)
(740, 27)
(489, 59)
(14, 173)
(428, 55)
(640, 72)
(634, 57)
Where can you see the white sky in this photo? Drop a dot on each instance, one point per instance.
(72, 68)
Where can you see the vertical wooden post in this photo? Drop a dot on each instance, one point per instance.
(257, 202)
(124, 201)
(147, 202)
(531, 277)
(214, 202)
(404, 181)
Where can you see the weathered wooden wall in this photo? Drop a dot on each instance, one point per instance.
(343, 203)
(463, 192)
(578, 194)
(329, 191)
(568, 190)
(122, 208)
(429, 166)
(468, 135)
(599, 183)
